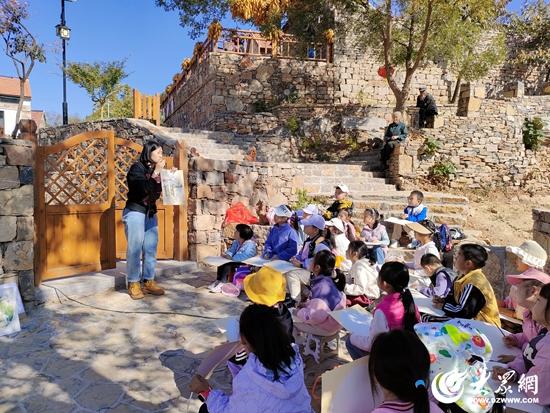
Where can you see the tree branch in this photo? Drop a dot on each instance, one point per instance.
(425, 35)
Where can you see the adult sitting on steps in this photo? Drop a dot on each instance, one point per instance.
(396, 133)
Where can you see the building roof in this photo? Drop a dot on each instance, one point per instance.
(9, 86)
(38, 117)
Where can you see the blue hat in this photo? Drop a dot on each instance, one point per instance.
(316, 221)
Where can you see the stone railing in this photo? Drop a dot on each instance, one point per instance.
(541, 231)
(16, 215)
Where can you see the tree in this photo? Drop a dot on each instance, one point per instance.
(100, 79)
(531, 30)
(402, 33)
(119, 105)
(20, 46)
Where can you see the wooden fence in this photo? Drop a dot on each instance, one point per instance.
(147, 107)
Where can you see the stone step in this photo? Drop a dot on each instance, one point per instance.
(396, 208)
(401, 196)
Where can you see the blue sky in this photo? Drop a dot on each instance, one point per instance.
(149, 38)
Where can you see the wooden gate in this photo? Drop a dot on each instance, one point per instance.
(80, 192)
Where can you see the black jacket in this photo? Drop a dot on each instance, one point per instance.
(427, 105)
(143, 190)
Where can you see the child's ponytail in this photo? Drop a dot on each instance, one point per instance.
(421, 397)
(339, 279)
(396, 275)
(410, 310)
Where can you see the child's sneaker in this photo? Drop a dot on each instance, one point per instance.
(214, 285)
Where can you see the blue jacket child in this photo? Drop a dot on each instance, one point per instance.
(282, 240)
(416, 211)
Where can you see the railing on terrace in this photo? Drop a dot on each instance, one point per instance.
(252, 43)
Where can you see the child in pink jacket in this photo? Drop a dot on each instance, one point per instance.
(534, 363)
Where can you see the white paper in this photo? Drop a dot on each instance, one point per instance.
(398, 221)
(256, 261)
(425, 304)
(216, 261)
(281, 266)
(354, 319)
(172, 187)
(229, 326)
(18, 300)
(373, 244)
(9, 315)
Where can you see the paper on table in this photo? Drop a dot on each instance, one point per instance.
(216, 261)
(425, 304)
(172, 187)
(229, 326)
(373, 244)
(354, 319)
(397, 221)
(347, 389)
(280, 265)
(256, 261)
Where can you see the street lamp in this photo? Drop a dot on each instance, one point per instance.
(63, 32)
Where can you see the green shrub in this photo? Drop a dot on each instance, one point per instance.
(430, 147)
(261, 106)
(442, 170)
(532, 133)
(303, 200)
(293, 125)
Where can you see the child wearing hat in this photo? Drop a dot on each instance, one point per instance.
(314, 229)
(530, 260)
(282, 240)
(303, 215)
(340, 243)
(341, 201)
(427, 237)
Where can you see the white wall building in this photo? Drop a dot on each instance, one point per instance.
(9, 100)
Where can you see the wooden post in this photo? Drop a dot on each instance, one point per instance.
(156, 109)
(137, 104)
(39, 216)
(181, 246)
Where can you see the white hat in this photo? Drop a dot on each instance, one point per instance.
(343, 188)
(337, 223)
(531, 254)
(311, 209)
(283, 211)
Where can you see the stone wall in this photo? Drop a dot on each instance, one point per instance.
(541, 231)
(16, 215)
(486, 147)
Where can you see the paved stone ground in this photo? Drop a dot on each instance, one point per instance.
(73, 358)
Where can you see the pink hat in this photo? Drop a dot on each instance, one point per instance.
(530, 274)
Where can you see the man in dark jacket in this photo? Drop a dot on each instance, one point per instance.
(396, 132)
(428, 109)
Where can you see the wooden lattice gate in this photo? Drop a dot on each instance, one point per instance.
(80, 192)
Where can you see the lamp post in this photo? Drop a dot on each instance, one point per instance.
(64, 33)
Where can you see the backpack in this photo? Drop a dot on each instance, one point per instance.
(445, 238)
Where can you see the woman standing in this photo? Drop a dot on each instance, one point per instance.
(140, 220)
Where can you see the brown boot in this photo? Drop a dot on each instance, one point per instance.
(134, 290)
(151, 287)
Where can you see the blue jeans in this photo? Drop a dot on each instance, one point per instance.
(379, 255)
(142, 236)
(355, 352)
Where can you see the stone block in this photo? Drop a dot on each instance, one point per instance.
(405, 164)
(218, 100)
(9, 177)
(19, 256)
(2, 160)
(8, 228)
(474, 104)
(214, 178)
(200, 252)
(26, 174)
(26, 285)
(203, 222)
(19, 155)
(25, 229)
(204, 191)
(19, 201)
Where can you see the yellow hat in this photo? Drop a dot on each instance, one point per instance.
(267, 286)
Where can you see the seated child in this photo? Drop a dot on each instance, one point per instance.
(315, 242)
(272, 380)
(534, 362)
(441, 278)
(340, 243)
(415, 211)
(374, 231)
(326, 294)
(362, 282)
(528, 286)
(303, 215)
(528, 255)
(428, 240)
(282, 240)
(472, 295)
(396, 310)
(350, 232)
(402, 375)
(341, 202)
(242, 248)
